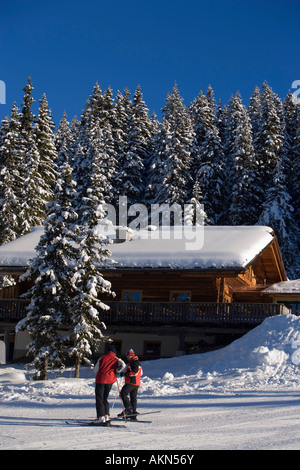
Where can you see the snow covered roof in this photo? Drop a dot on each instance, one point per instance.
(217, 247)
(284, 287)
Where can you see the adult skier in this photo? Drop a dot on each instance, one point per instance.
(132, 376)
(106, 369)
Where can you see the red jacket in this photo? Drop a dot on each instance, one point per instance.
(133, 372)
(106, 369)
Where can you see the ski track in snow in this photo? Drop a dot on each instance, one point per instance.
(244, 396)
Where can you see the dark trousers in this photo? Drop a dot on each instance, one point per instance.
(129, 404)
(102, 406)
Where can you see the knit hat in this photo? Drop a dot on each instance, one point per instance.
(111, 349)
(130, 352)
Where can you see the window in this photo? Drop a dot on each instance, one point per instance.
(180, 296)
(132, 295)
(152, 348)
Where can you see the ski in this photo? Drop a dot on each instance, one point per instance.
(141, 414)
(82, 422)
(122, 418)
(131, 420)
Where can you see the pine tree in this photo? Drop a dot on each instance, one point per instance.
(72, 141)
(45, 141)
(142, 133)
(221, 116)
(278, 213)
(52, 272)
(32, 203)
(194, 213)
(120, 129)
(132, 166)
(157, 163)
(11, 180)
(102, 105)
(101, 132)
(295, 169)
(107, 161)
(154, 132)
(208, 156)
(103, 112)
(3, 136)
(107, 115)
(96, 163)
(95, 142)
(62, 140)
(243, 201)
(173, 153)
(267, 138)
(289, 133)
(83, 130)
(96, 102)
(254, 111)
(290, 149)
(88, 282)
(210, 96)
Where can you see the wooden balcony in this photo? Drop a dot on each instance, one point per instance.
(188, 313)
(166, 313)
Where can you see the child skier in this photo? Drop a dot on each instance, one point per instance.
(132, 376)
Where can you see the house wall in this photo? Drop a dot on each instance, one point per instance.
(168, 345)
(165, 345)
(158, 286)
(2, 352)
(22, 339)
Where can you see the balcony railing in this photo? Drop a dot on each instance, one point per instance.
(188, 312)
(12, 309)
(180, 313)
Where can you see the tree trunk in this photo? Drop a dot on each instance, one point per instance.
(77, 368)
(41, 374)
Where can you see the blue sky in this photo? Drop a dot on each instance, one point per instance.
(66, 46)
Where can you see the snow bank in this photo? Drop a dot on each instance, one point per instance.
(266, 356)
(9, 374)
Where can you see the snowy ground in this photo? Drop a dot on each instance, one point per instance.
(244, 396)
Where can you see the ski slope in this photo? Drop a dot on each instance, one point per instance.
(244, 396)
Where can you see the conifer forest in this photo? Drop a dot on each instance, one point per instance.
(242, 162)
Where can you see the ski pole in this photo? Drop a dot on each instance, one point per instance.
(123, 409)
(115, 400)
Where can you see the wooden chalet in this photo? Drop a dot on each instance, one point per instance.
(286, 293)
(179, 290)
